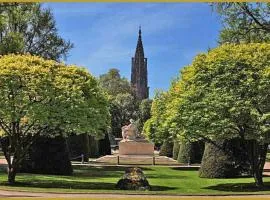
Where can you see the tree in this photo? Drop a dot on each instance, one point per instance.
(144, 113)
(37, 95)
(244, 22)
(226, 95)
(29, 28)
(123, 108)
(114, 84)
(153, 127)
(123, 105)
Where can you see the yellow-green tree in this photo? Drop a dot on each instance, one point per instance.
(38, 94)
(228, 97)
(224, 94)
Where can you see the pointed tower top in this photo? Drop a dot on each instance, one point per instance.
(139, 49)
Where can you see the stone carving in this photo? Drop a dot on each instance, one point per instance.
(134, 143)
(130, 132)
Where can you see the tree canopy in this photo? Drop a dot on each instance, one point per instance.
(223, 94)
(30, 28)
(123, 105)
(114, 84)
(244, 22)
(38, 95)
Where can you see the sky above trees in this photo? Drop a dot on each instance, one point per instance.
(105, 35)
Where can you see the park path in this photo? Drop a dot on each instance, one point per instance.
(14, 194)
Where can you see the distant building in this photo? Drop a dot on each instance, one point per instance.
(139, 80)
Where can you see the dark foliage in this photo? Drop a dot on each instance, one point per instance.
(48, 156)
(166, 148)
(105, 146)
(222, 160)
(79, 145)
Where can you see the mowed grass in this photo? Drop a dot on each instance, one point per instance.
(164, 180)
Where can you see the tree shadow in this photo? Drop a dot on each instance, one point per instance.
(101, 171)
(185, 168)
(162, 188)
(61, 184)
(164, 176)
(239, 187)
(64, 184)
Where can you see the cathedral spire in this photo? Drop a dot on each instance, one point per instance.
(139, 71)
(139, 49)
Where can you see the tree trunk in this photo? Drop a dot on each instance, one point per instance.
(259, 157)
(11, 175)
(258, 179)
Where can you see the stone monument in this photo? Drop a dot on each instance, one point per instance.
(134, 143)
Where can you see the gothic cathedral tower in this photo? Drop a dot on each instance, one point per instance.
(139, 71)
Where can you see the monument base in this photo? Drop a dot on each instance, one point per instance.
(136, 148)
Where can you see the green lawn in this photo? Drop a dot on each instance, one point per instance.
(164, 180)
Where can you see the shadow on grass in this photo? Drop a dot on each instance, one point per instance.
(239, 187)
(64, 185)
(101, 171)
(165, 176)
(161, 188)
(188, 168)
(76, 185)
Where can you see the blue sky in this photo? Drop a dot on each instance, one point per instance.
(105, 35)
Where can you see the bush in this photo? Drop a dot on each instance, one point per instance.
(105, 146)
(94, 147)
(166, 148)
(197, 151)
(48, 156)
(218, 162)
(185, 152)
(190, 152)
(78, 145)
(176, 146)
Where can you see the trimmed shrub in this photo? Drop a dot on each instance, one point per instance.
(190, 152)
(78, 145)
(48, 156)
(166, 148)
(105, 146)
(197, 151)
(94, 147)
(218, 161)
(176, 147)
(185, 152)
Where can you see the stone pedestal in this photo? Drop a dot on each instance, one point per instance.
(136, 148)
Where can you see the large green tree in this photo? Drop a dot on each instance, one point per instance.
(244, 22)
(226, 96)
(123, 105)
(37, 95)
(30, 28)
(114, 84)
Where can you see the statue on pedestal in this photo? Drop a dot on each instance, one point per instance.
(133, 143)
(130, 132)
